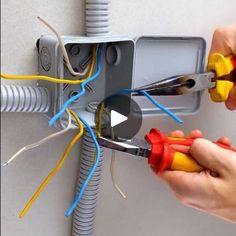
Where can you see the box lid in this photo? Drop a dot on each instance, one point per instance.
(157, 58)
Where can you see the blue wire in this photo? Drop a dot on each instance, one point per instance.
(77, 96)
(161, 107)
(98, 153)
(157, 104)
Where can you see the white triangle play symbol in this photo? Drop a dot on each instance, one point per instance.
(117, 118)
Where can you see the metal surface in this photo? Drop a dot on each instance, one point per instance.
(181, 84)
(136, 147)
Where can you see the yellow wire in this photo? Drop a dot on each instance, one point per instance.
(57, 168)
(42, 77)
(53, 79)
(99, 123)
(91, 68)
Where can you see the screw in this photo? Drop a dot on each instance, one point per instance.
(74, 50)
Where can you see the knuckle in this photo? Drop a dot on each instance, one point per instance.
(219, 32)
(195, 146)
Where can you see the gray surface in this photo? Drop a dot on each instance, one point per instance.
(157, 58)
(150, 209)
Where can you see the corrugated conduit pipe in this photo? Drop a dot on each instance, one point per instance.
(84, 213)
(97, 17)
(16, 98)
(97, 25)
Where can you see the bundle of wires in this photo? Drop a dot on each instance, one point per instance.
(57, 167)
(40, 142)
(97, 52)
(97, 159)
(88, 70)
(96, 57)
(82, 91)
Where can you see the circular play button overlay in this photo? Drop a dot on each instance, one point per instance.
(118, 117)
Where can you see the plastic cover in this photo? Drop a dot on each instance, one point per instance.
(157, 58)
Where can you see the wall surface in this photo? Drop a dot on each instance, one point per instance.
(150, 208)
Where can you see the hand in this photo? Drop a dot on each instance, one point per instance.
(211, 193)
(224, 42)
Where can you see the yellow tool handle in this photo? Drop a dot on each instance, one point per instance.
(184, 162)
(222, 66)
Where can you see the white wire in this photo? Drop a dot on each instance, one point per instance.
(34, 145)
(66, 58)
(112, 164)
(113, 178)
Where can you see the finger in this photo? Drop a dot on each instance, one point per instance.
(180, 134)
(186, 185)
(225, 141)
(223, 40)
(211, 156)
(176, 134)
(181, 148)
(195, 134)
(231, 102)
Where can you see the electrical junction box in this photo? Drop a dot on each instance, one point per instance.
(126, 63)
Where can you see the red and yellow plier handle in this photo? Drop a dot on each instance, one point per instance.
(222, 66)
(163, 156)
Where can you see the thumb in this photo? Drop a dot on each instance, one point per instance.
(211, 156)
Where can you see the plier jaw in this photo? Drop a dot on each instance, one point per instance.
(135, 147)
(180, 84)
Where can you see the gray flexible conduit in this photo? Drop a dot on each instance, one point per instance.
(16, 98)
(97, 25)
(97, 17)
(84, 213)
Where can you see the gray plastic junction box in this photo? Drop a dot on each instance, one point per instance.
(126, 63)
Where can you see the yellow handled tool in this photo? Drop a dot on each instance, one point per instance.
(219, 80)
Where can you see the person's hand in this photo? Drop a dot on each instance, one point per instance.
(212, 190)
(224, 42)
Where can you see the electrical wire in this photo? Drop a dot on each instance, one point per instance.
(99, 123)
(113, 157)
(84, 185)
(112, 169)
(64, 52)
(52, 79)
(161, 107)
(82, 91)
(42, 77)
(112, 163)
(154, 102)
(57, 167)
(40, 142)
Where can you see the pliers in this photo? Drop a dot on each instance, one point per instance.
(219, 80)
(159, 150)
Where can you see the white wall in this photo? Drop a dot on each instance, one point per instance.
(150, 209)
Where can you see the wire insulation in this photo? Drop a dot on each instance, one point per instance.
(154, 102)
(42, 77)
(82, 91)
(64, 52)
(57, 168)
(112, 169)
(161, 107)
(113, 157)
(40, 142)
(98, 156)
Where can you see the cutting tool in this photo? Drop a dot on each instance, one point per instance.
(219, 80)
(159, 150)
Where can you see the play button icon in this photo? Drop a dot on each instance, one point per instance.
(119, 117)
